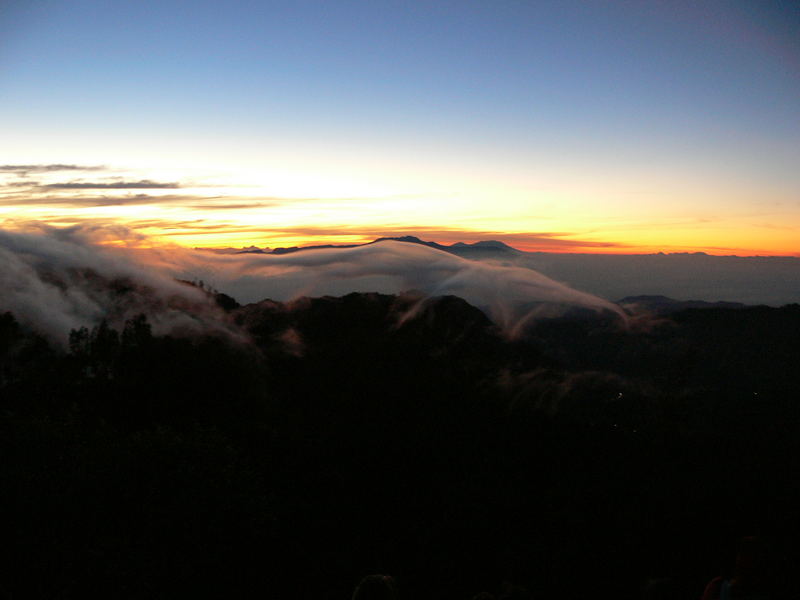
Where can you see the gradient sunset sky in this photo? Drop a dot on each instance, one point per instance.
(618, 126)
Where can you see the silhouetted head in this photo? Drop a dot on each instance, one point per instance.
(660, 589)
(376, 587)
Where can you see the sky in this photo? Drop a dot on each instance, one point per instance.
(609, 127)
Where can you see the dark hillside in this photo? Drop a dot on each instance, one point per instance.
(336, 437)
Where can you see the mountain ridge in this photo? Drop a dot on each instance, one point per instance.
(455, 248)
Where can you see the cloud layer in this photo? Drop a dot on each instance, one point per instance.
(58, 279)
(54, 280)
(510, 295)
(142, 184)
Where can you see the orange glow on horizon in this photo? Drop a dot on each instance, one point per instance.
(237, 236)
(221, 240)
(173, 207)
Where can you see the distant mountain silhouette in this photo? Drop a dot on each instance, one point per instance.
(484, 244)
(409, 239)
(292, 249)
(665, 305)
(250, 250)
(485, 248)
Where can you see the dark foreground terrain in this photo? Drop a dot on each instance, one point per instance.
(338, 437)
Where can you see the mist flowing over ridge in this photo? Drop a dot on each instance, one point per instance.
(54, 280)
(58, 279)
(685, 276)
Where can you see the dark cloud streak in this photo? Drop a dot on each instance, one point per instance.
(89, 201)
(23, 170)
(142, 184)
(233, 206)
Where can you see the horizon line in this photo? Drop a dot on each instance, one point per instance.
(331, 244)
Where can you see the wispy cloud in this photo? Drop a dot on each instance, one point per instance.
(26, 183)
(142, 184)
(93, 201)
(233, 205)
(23, 170)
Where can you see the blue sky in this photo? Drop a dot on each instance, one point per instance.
(501, 104)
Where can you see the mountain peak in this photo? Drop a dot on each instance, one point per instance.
(492, 244)
(410, 239)
(483, 246)
(403, 238)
